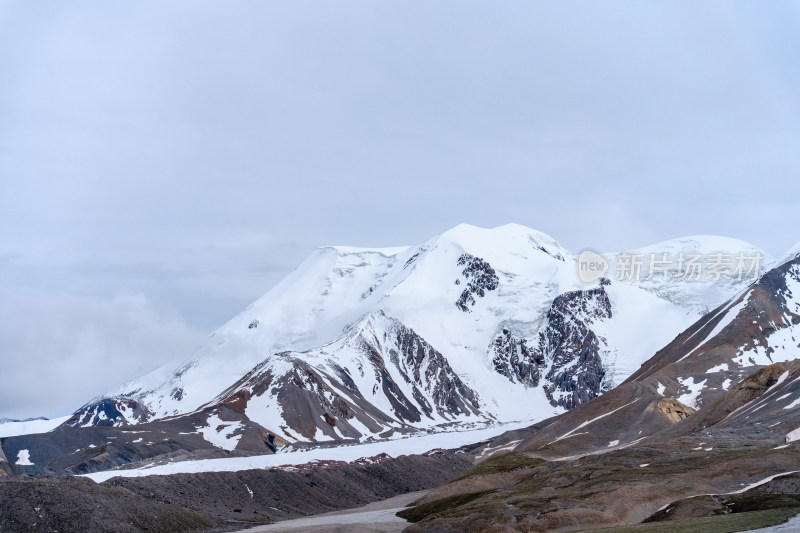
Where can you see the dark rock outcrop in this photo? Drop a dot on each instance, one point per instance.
(480, 277)
(514, 359)
(576, 373)
(414, 378)
(107, 412)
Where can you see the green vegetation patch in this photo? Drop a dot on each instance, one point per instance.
(501, 463)
(728, 523)
(441, 506)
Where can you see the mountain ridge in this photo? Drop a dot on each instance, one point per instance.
(483, 298)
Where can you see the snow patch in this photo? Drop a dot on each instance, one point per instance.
(587, 422)
(221, 433)
(730, 313)
(24, 458)
(793, 404)
(793, 435)
(394, 448)
(763, 481)
(695, 388)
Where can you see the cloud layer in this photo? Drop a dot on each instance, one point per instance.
(192, 153)
(62, 352)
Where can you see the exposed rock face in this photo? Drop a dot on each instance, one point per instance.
(566, 355)
(576, 373)
(749, 389)
(428, 371)
(113, 411)
(514, 359)
(389, 365)
(674, 410)
(480, 277)
(306, 399)
(5, 467)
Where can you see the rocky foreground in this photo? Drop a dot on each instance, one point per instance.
(731, 465)
(213, 501)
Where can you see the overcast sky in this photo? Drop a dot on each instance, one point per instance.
(163, 164)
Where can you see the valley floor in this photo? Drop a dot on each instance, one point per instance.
(376, 517)
(793, 524)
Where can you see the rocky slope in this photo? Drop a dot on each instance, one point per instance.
(221, 432)
(738, 455)
(712, 413)
(754, 329)
(216, 501)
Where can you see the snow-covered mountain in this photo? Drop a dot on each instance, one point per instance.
(473, 326)
(738, 365)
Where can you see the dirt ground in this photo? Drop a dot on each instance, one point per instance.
(376, 517)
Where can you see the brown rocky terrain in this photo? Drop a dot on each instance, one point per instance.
(687, 437)
(218, 501)
(83, 450)
(517, 492)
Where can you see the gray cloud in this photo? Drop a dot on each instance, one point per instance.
(193, 153)
(61, 352)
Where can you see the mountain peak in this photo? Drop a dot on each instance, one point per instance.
(703, 244)
(502, 239)
(355, 250)
(488, 301)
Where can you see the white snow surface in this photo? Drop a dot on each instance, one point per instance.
(763, 481)
(722, 367)
(702, 296)
(394, 447)
(784, 341)
(336, 289)
(792, 253)
(220, 433)
(689, 399)
(29, 427)
(792, 405)
(24, 458)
